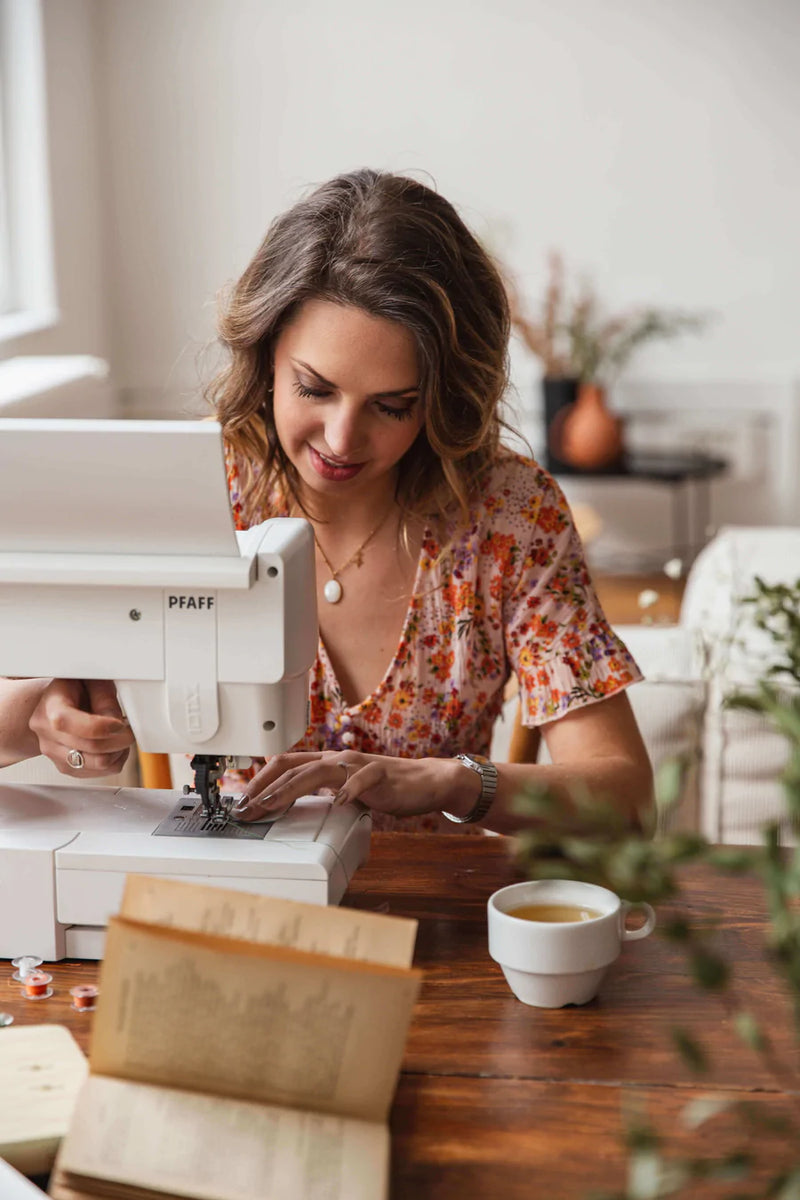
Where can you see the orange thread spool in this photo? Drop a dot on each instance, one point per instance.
(84, 996)
(37, 985)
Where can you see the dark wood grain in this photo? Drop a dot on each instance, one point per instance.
(515, 1139)
(498, 1099)
(467, 1014)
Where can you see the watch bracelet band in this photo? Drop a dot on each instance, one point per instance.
(488, 776)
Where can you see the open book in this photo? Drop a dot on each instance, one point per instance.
(243, 1047)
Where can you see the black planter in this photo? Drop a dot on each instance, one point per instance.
(558, 395)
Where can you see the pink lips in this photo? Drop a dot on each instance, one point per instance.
(329, 470)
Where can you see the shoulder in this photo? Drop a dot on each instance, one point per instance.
(514, 468)
(516, 490)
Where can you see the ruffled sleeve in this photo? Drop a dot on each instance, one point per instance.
(558, 640)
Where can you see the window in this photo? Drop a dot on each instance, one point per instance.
(5, 247)
(27, 288)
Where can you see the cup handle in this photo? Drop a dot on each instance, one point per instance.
(633, 935)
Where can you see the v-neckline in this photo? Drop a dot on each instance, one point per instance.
(327, 665)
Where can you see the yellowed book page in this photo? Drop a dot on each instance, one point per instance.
(41, 1069)
(267, 1023)
(342, 932)
(188, 1144)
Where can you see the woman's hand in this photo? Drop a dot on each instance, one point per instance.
(404, 787)
(73, 714)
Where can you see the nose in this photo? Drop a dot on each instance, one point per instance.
(344, 434)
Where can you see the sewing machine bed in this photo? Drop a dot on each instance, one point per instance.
(65, 852)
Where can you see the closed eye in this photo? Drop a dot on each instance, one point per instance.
(399, 414)
(306, 392)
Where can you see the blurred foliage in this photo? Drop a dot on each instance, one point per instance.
(594, 843)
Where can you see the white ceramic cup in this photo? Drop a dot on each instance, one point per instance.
(552, 963)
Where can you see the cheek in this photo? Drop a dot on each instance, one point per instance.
(414, 430)
(403, 439)
(290, 419)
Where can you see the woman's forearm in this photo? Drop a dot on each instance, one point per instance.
(18, 699)
(624, 783)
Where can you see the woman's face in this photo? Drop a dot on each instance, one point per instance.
(346, 399)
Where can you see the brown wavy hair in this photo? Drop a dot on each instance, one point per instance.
(398, 250)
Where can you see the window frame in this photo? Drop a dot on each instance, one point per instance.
(30, 301)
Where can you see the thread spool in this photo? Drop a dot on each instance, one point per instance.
(25, 964)
(37, 985)
(84, 996)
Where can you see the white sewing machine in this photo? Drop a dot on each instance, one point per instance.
(118, 559)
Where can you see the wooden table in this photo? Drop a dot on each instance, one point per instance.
(500, 1100)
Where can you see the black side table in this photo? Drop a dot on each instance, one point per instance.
(688, 476)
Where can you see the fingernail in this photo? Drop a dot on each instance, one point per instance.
(253, 809)
(340, 797)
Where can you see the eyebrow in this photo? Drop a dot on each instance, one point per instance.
(375, 396)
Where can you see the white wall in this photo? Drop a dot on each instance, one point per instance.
(655, 142)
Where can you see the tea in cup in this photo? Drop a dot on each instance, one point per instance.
(556, 938)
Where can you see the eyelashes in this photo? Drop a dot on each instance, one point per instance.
(388, 410)
(307, 392)
(399, 414)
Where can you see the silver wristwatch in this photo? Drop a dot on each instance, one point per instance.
(488, 774)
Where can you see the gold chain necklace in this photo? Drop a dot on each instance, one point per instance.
(333, 589)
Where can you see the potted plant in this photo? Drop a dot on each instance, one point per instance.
(582, 350)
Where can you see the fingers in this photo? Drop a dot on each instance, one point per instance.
(277, 766)
(66, 711)
(62, 724)
(103, 699)
(95, 766)
(86, 732)
(289, 776)
(399, 786)
(360, 782)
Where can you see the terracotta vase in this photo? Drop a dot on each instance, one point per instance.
(589, 437)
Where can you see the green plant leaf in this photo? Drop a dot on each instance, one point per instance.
(669, 783)
(732, 1167)
(750, 1031)
(734, 858)
(641, 1137)
(703, 1108)
(790, 1186)
(709, 970)
(645, 1172)
(690, 1051)
(677, 929)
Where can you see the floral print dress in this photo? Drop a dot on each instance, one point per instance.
(512, 596)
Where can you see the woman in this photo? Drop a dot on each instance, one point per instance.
(368, 346)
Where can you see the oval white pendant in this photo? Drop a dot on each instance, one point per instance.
(332, 591)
